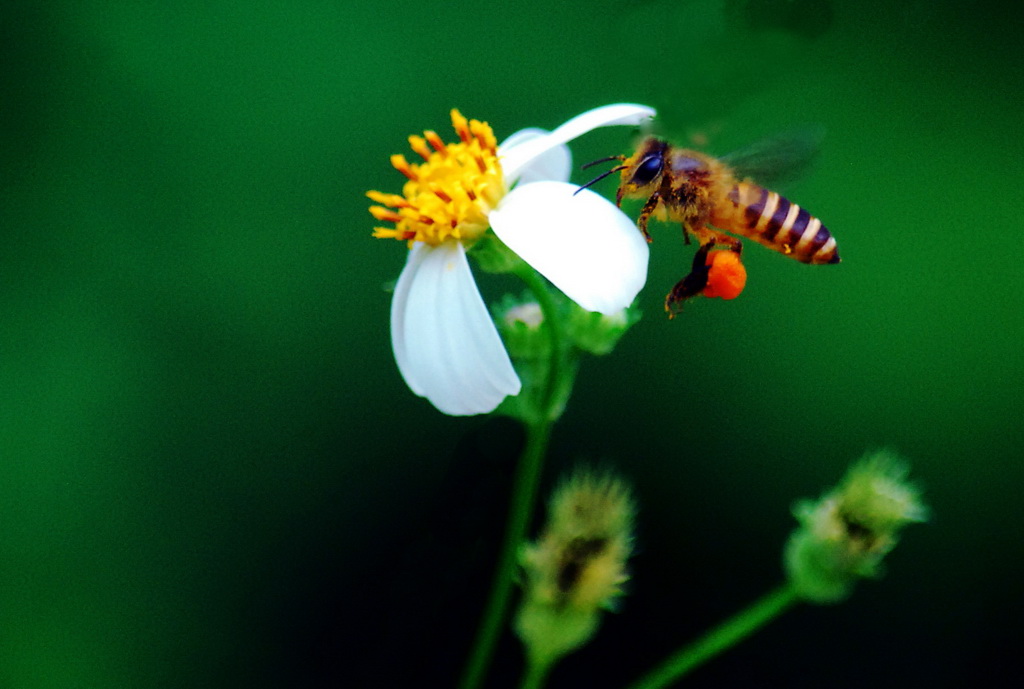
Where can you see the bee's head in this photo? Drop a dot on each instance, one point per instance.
(642, 172)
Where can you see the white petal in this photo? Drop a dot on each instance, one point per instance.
(444, 340)
(399, 303)
(515, 158)
(553, 164)
(582, 243)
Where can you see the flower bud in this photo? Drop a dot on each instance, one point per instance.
(521, 324)
(577, 567)
(844, 535)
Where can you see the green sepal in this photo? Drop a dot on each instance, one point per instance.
(597, 333)
(493, 256)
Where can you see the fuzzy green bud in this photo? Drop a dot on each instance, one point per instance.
(577, 567)
(844, 535)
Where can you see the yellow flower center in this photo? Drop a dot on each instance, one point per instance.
(449, 195)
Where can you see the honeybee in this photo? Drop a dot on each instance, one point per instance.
(710, 198)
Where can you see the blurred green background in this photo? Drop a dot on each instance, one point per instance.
(213, 474)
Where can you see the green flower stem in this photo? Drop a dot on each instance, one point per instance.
(553, 320)
(524, 495)
(722, 637)
(523, 498)
(536, 674)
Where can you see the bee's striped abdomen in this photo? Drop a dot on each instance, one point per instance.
(780, 224)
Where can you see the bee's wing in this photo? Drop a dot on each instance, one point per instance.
(778, 159)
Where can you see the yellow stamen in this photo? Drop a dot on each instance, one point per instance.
(434, 140)
(392, 200)
(419, 144)
(402, 165)
(483, 134)
(385, 214)
(461, 125)
(450, 194)
(390, 233)
(441, 194)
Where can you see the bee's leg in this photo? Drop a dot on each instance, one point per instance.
(645, 214)
(707, 234)
(691, 285)
(734, 244)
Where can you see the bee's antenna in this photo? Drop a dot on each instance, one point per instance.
(599, 160)
(600, 176)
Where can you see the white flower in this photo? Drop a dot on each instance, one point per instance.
(445, 343)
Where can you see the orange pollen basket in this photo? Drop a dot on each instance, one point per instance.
(726, 276)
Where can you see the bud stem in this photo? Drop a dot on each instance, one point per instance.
(524, 493)
(536, 673)
(722, 637)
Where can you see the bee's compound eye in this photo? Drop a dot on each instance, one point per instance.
(647, 170)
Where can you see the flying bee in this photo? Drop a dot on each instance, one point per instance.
(711, 197)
